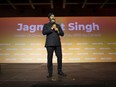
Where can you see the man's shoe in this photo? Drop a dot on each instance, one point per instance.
(62, 74)
(49, 76)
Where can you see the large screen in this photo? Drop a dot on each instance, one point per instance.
(86, 39)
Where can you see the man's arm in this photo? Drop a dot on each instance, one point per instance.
(46, 30)
(60, 31)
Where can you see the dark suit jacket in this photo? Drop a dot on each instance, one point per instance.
(52, 36)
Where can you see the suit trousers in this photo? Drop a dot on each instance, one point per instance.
(58, 53)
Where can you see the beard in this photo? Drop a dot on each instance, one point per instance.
(53, 20)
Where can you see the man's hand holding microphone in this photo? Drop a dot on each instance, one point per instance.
(54, 25)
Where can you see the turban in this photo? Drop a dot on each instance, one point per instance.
(50, 15)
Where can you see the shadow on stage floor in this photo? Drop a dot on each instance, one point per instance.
(78, 75)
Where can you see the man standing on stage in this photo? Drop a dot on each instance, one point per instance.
(53, 31)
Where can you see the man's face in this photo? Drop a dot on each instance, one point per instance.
(52, 17)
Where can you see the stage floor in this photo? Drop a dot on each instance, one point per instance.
(78, 75)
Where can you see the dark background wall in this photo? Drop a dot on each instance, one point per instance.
(38, 8)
